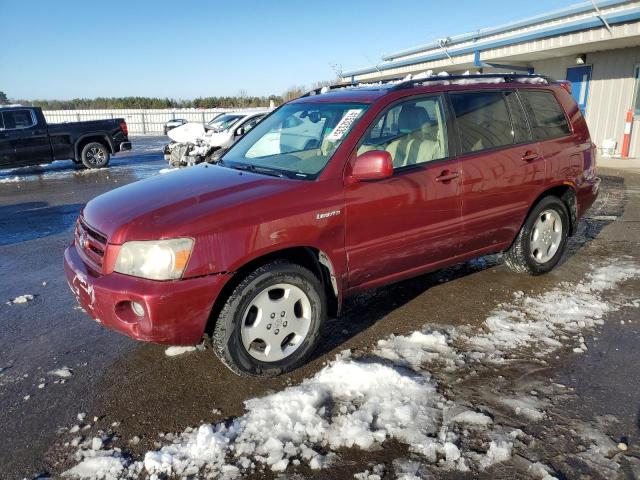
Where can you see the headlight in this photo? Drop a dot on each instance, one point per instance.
(155, 259)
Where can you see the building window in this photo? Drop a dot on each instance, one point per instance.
(636, 100)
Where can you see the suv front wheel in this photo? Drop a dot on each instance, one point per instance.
(271, 322)
(542, 239)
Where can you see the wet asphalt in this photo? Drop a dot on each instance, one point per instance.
(115, 379)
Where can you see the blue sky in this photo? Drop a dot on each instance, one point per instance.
(184, 49)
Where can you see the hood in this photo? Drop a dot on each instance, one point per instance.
(181, 203)
(187, 133)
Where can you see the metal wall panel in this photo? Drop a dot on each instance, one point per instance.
(611, 92)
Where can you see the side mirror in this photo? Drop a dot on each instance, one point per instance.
(240, 131)
(373, 165)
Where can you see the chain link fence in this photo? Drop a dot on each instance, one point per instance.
(141, 122)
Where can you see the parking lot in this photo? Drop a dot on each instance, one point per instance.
(562, 404)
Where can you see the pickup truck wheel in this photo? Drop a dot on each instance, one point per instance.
(542, 239)
(271, 322)
(95, 155)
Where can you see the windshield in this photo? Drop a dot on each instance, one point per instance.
(223, 122)
(298, 139)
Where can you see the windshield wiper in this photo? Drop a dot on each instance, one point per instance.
(248, 167)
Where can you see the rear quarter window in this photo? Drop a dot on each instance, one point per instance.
(546, 116)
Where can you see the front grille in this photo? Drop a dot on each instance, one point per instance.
(91, 245)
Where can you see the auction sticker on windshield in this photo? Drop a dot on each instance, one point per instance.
(344, 124)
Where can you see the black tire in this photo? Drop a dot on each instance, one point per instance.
(95, 155)
(227, 336)
(519, 257)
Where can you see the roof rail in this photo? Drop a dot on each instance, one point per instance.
(508, 77)
(326, 88)
(398, 83)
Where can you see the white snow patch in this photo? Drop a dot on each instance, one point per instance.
(102, 467)
(173, 351)
(528, 407)
(417, 349)
(472, 418)
(541, 321)
(10, 179)
(22, 299)
(499, 451)
(64, 372)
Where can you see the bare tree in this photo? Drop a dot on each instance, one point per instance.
(293, 92)
(242, 96)
(3, 98)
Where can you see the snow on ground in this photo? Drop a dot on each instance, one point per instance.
(10, 179)
(20, 299)
(173, 351)
(64, 372)
(390, 394)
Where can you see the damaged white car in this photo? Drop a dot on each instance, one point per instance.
(194, 143)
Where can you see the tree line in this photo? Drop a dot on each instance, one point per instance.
(150, 102)
(242, 100)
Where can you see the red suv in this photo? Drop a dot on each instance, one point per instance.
(332, 193)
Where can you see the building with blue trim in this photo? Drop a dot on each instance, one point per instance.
(595, 45)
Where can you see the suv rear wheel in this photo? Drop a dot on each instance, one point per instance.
(271, 322)
(95, 155)
(542, 238)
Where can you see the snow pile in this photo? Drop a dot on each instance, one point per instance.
(173, 351)
(20, 299)
(347, 404)
(10, 179)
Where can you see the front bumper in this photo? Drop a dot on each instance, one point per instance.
(175, 312)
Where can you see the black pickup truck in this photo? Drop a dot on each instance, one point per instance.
(27, 139)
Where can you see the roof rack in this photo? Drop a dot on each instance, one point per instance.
(399, 83)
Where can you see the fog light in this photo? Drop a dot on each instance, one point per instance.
(137, 309)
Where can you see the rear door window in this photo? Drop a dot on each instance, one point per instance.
(483, 120)
(16, 119)
(546, 115)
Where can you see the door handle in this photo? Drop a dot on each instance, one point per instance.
(447, 176)
(530, 156)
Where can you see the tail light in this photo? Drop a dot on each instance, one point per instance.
(125, 129)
